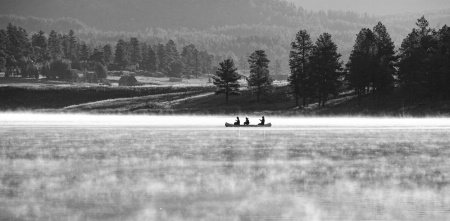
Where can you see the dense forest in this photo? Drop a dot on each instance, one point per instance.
(58, 55)
(230, 28)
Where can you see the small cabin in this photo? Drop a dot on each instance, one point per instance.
(128, 80)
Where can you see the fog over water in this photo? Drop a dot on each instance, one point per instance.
(124, 167)
(16, 119)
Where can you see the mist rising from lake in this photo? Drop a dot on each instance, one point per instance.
(278, 122)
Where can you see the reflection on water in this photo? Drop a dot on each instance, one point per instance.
(110, 169)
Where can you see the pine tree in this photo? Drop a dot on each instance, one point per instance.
(226, 79)
(65, 46)
(2, 63)
(39, 43)
(161, 52)
(97, 57)
(54, 46)
(362, 63)
(151, 62)
(414, 65)
(171, 55)
(259, 79)
(187, 57)
(299, 60)
(135, 52)
(326, 68)
(72, 46)
(107, 54)
(4, 41)
(122, 57)
(84, 54)
(385, 60)
(144, 55)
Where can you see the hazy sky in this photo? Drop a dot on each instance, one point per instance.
(377, 7)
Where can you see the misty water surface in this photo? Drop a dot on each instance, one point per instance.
(87, 167)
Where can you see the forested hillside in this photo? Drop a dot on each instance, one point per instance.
(227, 27)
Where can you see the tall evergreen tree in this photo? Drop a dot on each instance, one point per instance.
(54, 45)
(415, 53)
(299, 60)
(151, 62)
(171, 55)
(84, 54)
(362, 63)
(259, 79)
(161, 52)
(72, 46)
(4, 41)
(385, 60)
(187, 57)
(97, 57)
(39, 43)
(107, 54)
(122, 57)
(144, 55)
(135, 51)
(326, 68)
(226, 79)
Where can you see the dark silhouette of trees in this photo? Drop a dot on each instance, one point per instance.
(326, 67)
(371, 63)
(417, 54)
(361, 64)
(385, 60)
(226, 79)
(299, 61)
(259, 80)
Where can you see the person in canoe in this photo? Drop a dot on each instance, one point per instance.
(238, 122)
(262, 121)
(247, 122)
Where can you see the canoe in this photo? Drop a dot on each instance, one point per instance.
(232, 125)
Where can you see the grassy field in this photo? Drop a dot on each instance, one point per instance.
(301, 169)
(37, 95)
(164, 97)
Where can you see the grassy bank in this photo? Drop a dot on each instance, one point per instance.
(56, 97)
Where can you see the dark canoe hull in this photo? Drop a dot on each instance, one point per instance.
(232, 125)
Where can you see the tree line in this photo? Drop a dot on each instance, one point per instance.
(163, 58)
(55, 54)
(421, 66)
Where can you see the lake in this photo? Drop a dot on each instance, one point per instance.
(88, 167)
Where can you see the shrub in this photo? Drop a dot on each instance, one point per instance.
(100, 70)
(61, 69)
